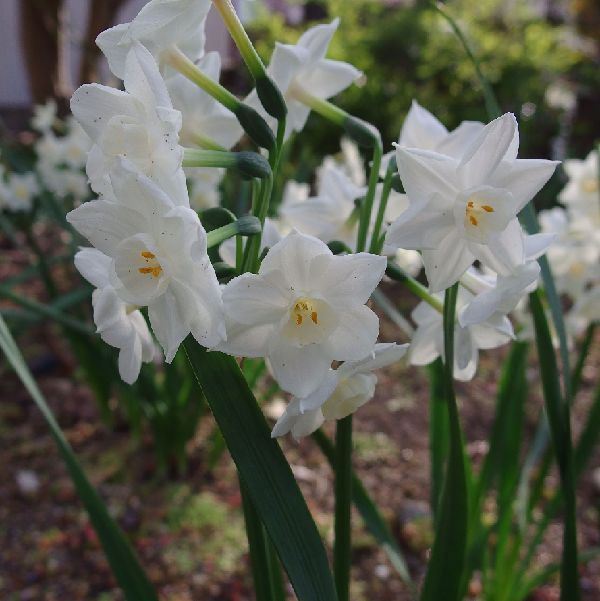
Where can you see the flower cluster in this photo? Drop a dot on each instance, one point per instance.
(302, 308)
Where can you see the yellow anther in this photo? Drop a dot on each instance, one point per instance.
(314, 317)
(304, 309)
(154, 271)
(298, 319)
(473, 220)
(474, 210)
(487, 208)
(148, 255)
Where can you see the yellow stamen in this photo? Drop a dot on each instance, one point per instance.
(474, 211)
(473, 220)
(304, 308)
(148, 255)
(314, 317)
(487, 208)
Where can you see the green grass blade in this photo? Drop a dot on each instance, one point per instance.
(265, 472)
(369, 512)
(445, 571)
(584, 349)
(559, 418)
(123, 562)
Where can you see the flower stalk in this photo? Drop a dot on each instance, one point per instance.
(249, 164)
(376, 238)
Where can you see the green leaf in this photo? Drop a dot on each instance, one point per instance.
(439, 431)
(560, 426)
(447, 563)
(265, 472)
(123, 562)
(373, 519)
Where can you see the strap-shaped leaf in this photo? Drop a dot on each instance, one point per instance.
(123, 562)
(265, 472)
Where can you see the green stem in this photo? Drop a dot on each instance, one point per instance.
(342, 548)
(180, 62)
(206, 142)
(41, 261)
(395, 273)
(376, 238)
(447, 563)
(365, 217)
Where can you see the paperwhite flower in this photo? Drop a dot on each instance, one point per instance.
(463, 206)
(428, 340)
(159, 258)
(303, 67)
(304, 309)
(583, 187)
(341, 393)
(158, 26)
(119, 324)
(203, 116)
(139, 124)
(19, 191)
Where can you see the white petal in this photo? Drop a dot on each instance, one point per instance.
(458, 140)
(256, 299)
(328, 78)
(94, 266)
(316, 399)
(168, 323)
(383, 354)
(246, 340)
(94, 105)
(109, 41)
(537, 244)
(350, 279)
(355, 336)
(421, 129)
(298, 370)
(504, 252)
(446, 264)
(105, 224)
(317, 39)
(427, 176)
(130, 362)
(487, 150)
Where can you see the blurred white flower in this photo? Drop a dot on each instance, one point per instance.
(159, 258)
(119, 324)
(159, 25)
(585, 311)
(19, 191)
(304, 309)
(583, 188)
(44, 116)
(139, 124)
(428, 339)
(463, 206)
(341, 393)
(302, 67)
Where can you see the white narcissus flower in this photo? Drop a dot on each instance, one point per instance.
(583, 187)
(341, 393)
(302, 67)
(139, 124)
(304, 309)
(158, 26)
(463, 207)
(44, 116)
(119, 324)
(159, 258)
(428, 339)
(203, 116)
(585, 311)
(19, 191)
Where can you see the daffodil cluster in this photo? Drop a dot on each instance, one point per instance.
(298, 305)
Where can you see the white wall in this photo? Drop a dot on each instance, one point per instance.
(14, 88)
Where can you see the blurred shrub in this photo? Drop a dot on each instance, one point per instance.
(408, 51)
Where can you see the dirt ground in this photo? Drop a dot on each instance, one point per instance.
(188, 530)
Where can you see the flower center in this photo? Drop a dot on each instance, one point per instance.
(305, 311)
(151, 265)
(475, 211)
